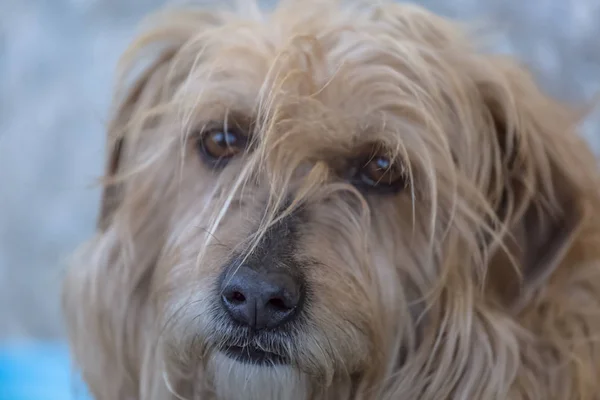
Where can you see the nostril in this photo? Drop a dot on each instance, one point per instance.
(236, 297)
(278, 304)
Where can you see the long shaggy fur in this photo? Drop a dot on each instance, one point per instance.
(479, 280)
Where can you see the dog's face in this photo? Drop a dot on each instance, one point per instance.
(312, 202)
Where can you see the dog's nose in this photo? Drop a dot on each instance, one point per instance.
(261, 300)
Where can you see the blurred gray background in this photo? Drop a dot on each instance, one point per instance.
(57, 59)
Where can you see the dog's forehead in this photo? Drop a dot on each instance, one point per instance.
(336, 59)
(367, 74)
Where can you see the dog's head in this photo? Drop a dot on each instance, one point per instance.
(323, 200)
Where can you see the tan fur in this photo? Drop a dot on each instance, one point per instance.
(480, 280)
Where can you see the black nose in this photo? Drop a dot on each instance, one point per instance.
(261, 300)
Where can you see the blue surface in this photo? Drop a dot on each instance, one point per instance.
(38, 371)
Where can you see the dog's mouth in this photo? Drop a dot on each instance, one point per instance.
(254, 355)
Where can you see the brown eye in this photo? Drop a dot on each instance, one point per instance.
(219, 145)
(379, 172)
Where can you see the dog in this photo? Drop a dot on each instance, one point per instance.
(337, 200)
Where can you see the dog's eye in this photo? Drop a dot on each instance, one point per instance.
(219, 145)
(379, 172)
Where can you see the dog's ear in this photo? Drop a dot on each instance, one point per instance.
(136, 97)
(538, 196)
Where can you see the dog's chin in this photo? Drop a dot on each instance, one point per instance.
(241, 378)
(254, 356)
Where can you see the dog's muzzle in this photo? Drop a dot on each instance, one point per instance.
(260, 301)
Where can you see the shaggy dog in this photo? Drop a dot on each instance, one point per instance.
(337, 202)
